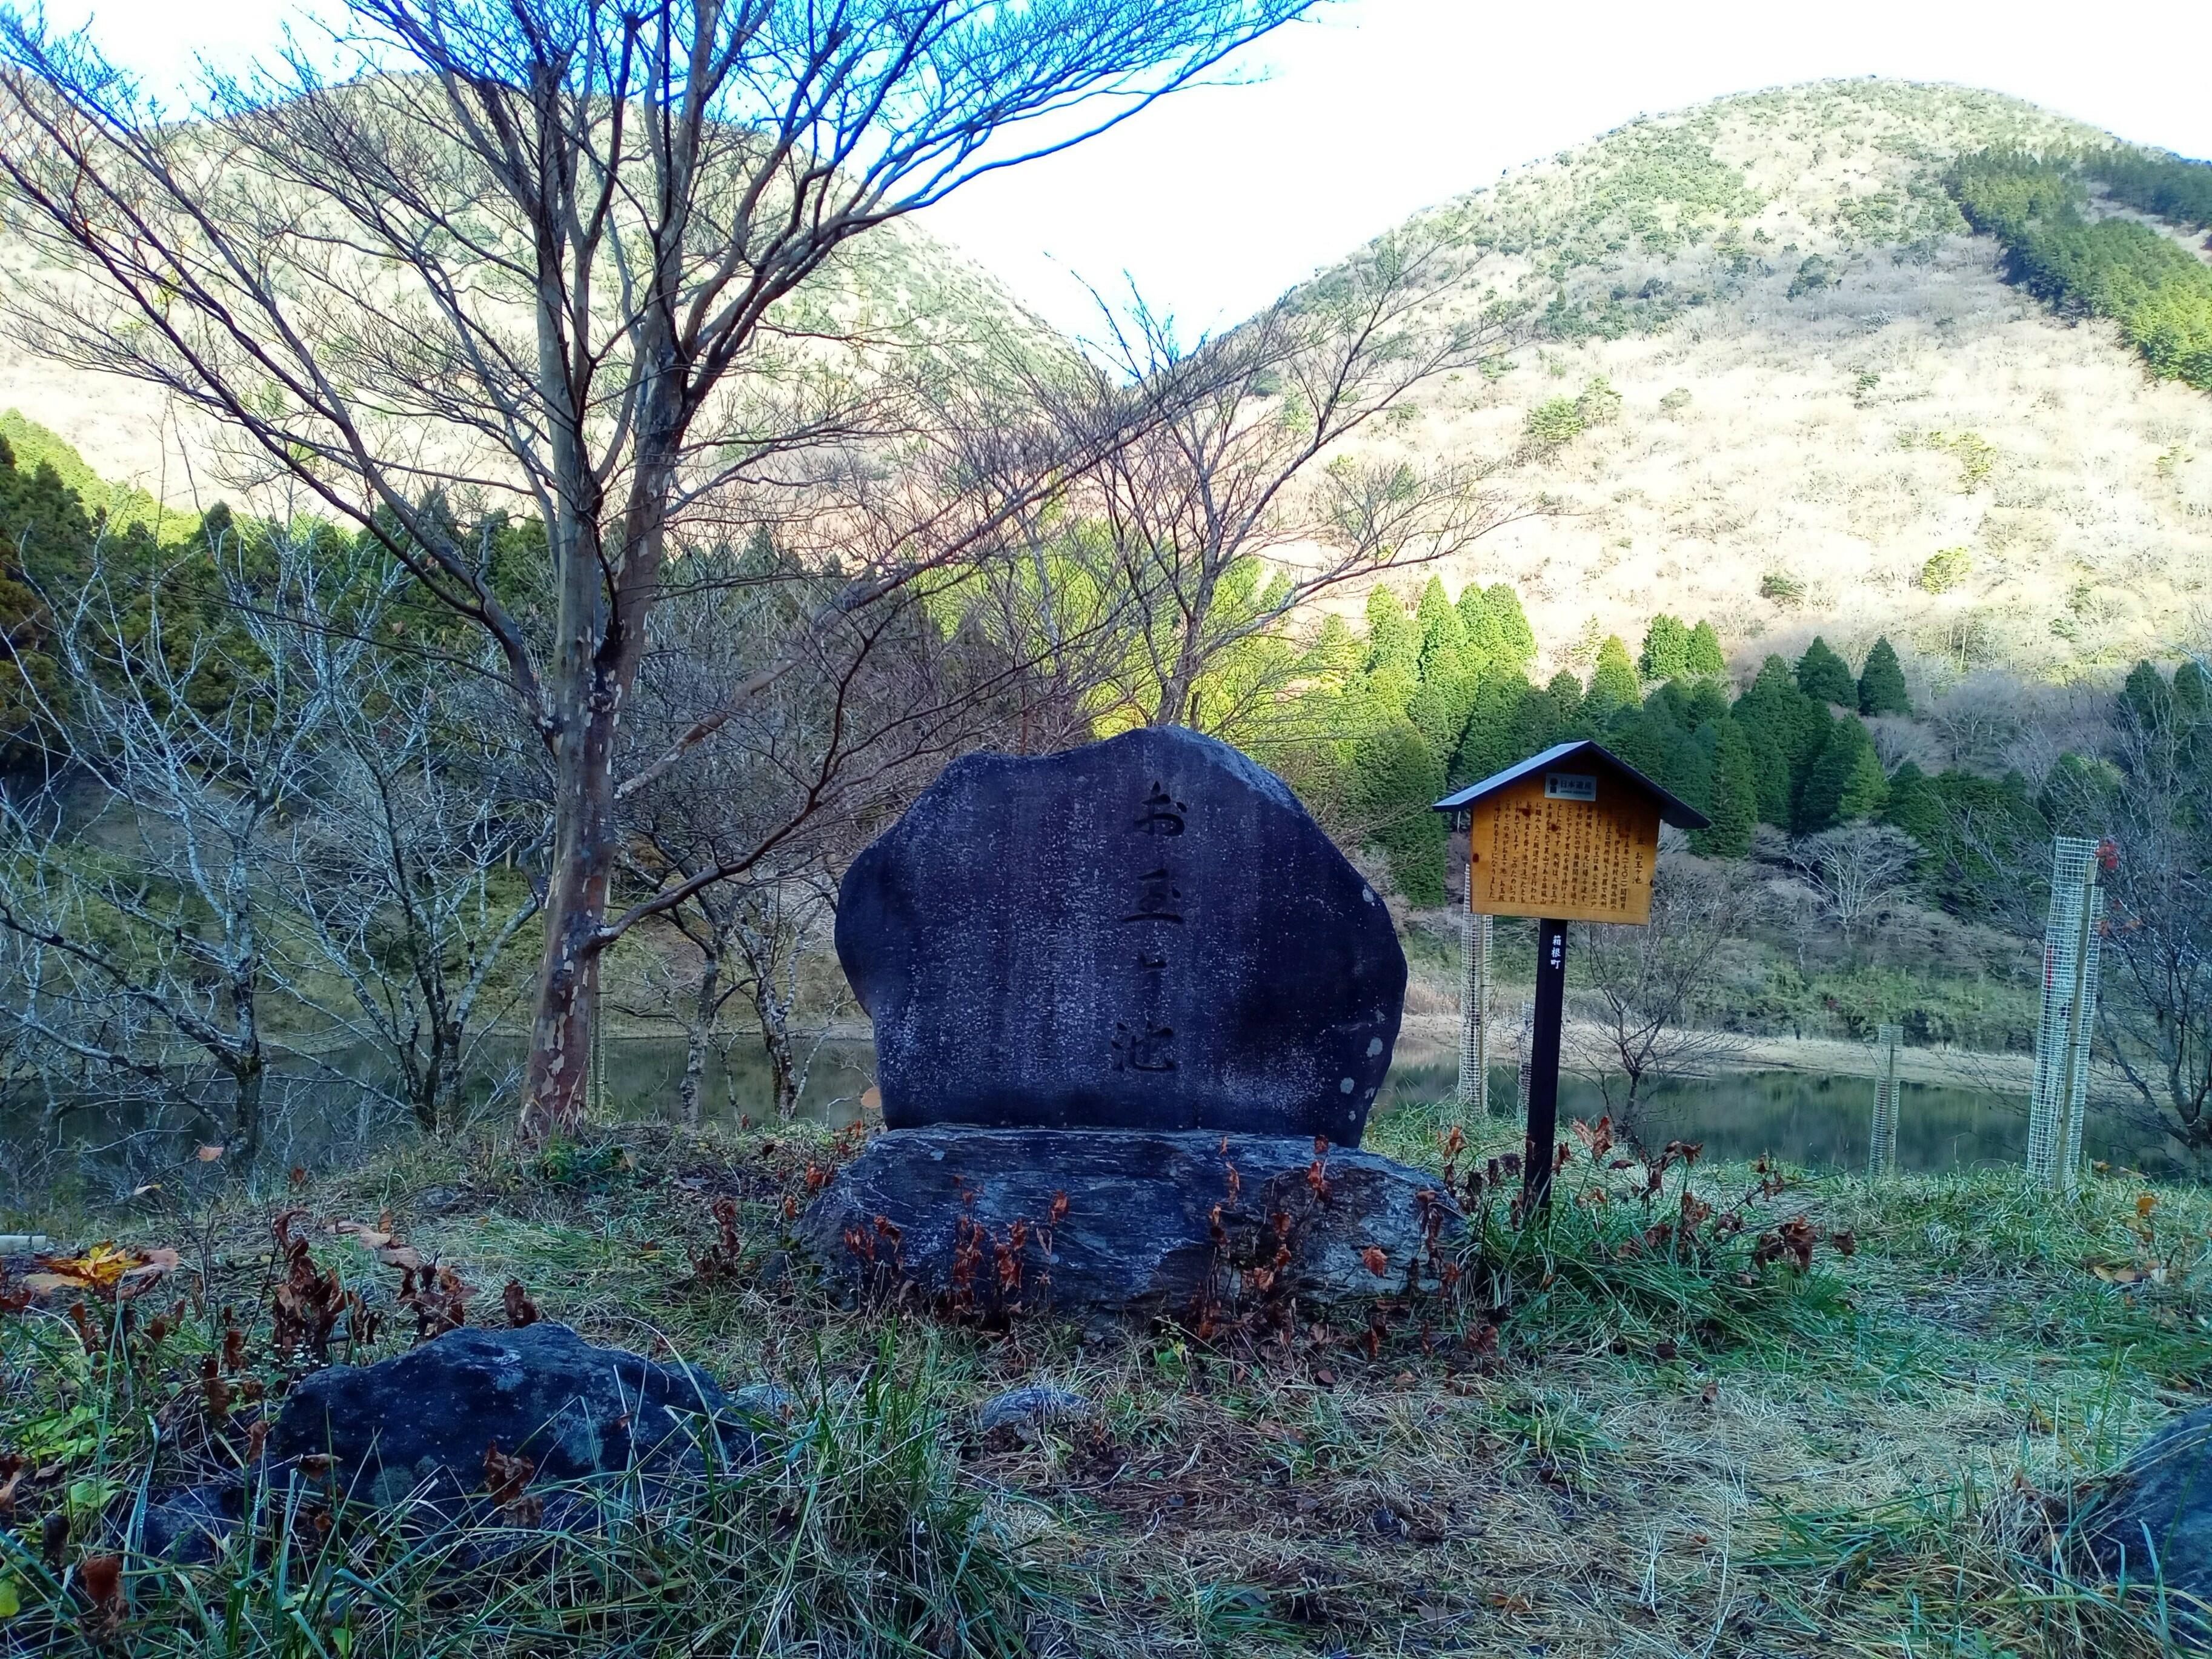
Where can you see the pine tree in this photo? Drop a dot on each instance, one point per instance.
(1825, 676)
(1732, 798)
(1485, 645)
(1705, 652)
(1708, 702)
(1393, 641)
(2192, 688)
(1769, 774)
(1785, 729)
(1666, 654)
(1516, 641)
(1490, 742)
(1396, 780)
(1881, 683)
(2147, 696)
(1614, 685)
(1443, 635)
(1847, 780)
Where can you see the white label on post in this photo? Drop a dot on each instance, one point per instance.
(1569, 786)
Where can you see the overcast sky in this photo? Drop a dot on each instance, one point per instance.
(1216, 201)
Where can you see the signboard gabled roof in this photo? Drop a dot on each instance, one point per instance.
(1672, 808)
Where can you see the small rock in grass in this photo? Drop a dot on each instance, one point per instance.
(1040, 1403)
(418, 1427)
(765, 1401)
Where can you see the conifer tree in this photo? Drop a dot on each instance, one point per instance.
(1489, 741)
(1393, 641)
(1615, 685)
(2147, 696)
(1556, 714)
(1443, 635)
(1396, 780)
(1825, 676)
(1666, 653)
(1845, 781)
(1770, 773)
(1516, 641)
(2192, 688)
(1733, 796)
(1485, 645)
(1708, 702)
(1881, 683)
(1705, 652)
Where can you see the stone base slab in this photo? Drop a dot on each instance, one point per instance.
(1084, 1222)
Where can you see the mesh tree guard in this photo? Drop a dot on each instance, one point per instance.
(1528, 1056)
(1882, 1152)
(1474, 1013)
(2059, 1097)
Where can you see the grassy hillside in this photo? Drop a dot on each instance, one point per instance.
(1832, 411)
(899, 284)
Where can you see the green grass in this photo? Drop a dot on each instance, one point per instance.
(1600, 1448)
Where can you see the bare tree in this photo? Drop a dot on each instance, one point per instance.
(1647, 989)
(410, 866)
(557, 262)
(1241, 506)
(2154, 1014)
(737, 844)
(133, 895)
(1854, 870)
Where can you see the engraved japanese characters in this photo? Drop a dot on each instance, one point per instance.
(1146, 933)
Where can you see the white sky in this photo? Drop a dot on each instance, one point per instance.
(1217, 200)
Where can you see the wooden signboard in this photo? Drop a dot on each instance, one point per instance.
(1576, 844)
(1570, 834)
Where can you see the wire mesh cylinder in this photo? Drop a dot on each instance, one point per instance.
(1474, 1013)
(2058, 1096)
(1882, 1152)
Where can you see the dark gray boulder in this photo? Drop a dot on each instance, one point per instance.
(418, 1426)
(1146, 932)
(2152, 1522)
(1154, 1223)
(573, 1408)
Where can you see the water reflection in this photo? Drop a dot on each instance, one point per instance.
(1822, 1121)
(321, 1114)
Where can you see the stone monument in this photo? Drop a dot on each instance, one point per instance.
(1132, 1007)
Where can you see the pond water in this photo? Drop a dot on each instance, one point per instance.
(1819, 1121)
(316, 1117)
(1807, 1118)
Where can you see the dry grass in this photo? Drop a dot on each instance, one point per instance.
(1865, 1460)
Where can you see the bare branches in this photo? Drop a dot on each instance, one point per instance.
(1854, 870)
(1248, 478)
(1649, 989)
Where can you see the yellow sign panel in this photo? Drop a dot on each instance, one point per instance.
(1573, 845)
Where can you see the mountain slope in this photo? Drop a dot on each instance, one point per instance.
(898, 284)
(1824, 382)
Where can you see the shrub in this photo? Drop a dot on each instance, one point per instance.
(1784, 589)
(1946, 568)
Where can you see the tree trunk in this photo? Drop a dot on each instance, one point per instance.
(553, 1086)
(252, 1073)
(695, 1052)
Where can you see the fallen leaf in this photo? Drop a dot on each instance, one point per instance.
(150, 1186)
(1377, 1263)
(2145, 1203)
(872, 1099)
(1514, 1603)
(1710, 1393)
(209, 1154)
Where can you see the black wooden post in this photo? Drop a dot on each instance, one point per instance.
(1544, 1066)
